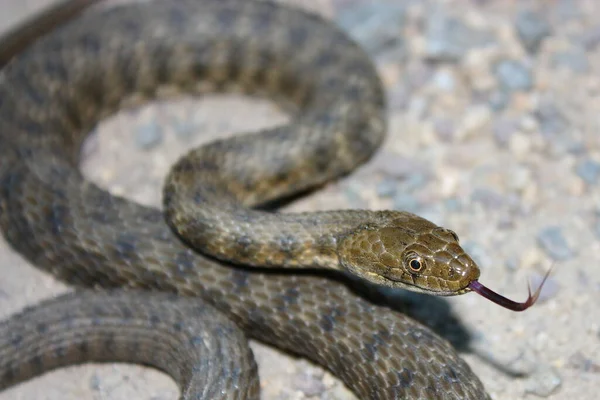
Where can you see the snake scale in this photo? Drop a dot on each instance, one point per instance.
(224, 262)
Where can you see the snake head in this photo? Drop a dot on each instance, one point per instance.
(410, 252)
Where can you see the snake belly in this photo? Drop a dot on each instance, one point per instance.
(52, 95)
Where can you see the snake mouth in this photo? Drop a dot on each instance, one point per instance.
(512, 305)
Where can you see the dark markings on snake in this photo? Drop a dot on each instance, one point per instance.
(16, 339)
(328, 319)
(83, 347)
(126, 246)
(178, 326)
(56, 217)
(41, 328)
(328, 322)
(91, 43)
(185, 263)
(450, 375)
(298, 36)
(154, 320)
(405, 377)
(240, 280)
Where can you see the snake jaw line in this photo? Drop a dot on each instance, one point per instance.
(512, 305)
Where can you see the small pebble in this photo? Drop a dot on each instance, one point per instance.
(503, 129)
(376, 26)
(444, 128)
(444, 80)
(589, 171)
(512, 263)
(309, 384)
(478, 253)
(597, 229)
(552, 241)
(95, 382)
(550, 118)
(579, 361)
(591, 38)
(543, 382)
(397, 166)
(148, 136)
(575, 59)
(556, 129)
(452, 204)
(531, 28)
(406, 202)
(418, 107)
(522, 361)
(498, 100)
(520, 144)
(447, 39)
(567, 9)
(353, 193)
(487, 197)
(414, 182)
(475, 118)
(387, 187)
(513, 75)
(184, 129)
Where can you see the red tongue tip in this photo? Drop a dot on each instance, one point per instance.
(507, 303)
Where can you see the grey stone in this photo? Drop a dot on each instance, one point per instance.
(309, 384)
(148, 136)
(552, 241)
(414, 181)
(591, 38)
(387, 187)
(444, 80)
(498, 100)
(478, 253)
(444, 128)
(448, 38)
(597, 228)
(184, 129)
(583, 362)
(452, 204)
(487, 197)
(575, 59)
(376, 26)
(543, 382)
(503, 129)
(513, 75)
(551, 119)
(353, 193)
(589, 171)
(556, 129)
(531, 28)
(567, 9)
(406, 202)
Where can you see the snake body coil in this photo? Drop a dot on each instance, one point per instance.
(53, 93)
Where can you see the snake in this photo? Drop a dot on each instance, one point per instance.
(182, 288)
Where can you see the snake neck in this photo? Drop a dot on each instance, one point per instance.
(244, 236)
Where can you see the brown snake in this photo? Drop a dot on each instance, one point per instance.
(55, 91)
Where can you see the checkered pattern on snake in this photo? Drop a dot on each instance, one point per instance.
(55, 91)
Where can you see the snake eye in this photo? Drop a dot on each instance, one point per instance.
(415, 264)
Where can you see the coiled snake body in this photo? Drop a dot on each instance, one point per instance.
(53, 93)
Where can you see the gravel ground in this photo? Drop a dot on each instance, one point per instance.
(493, 133)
